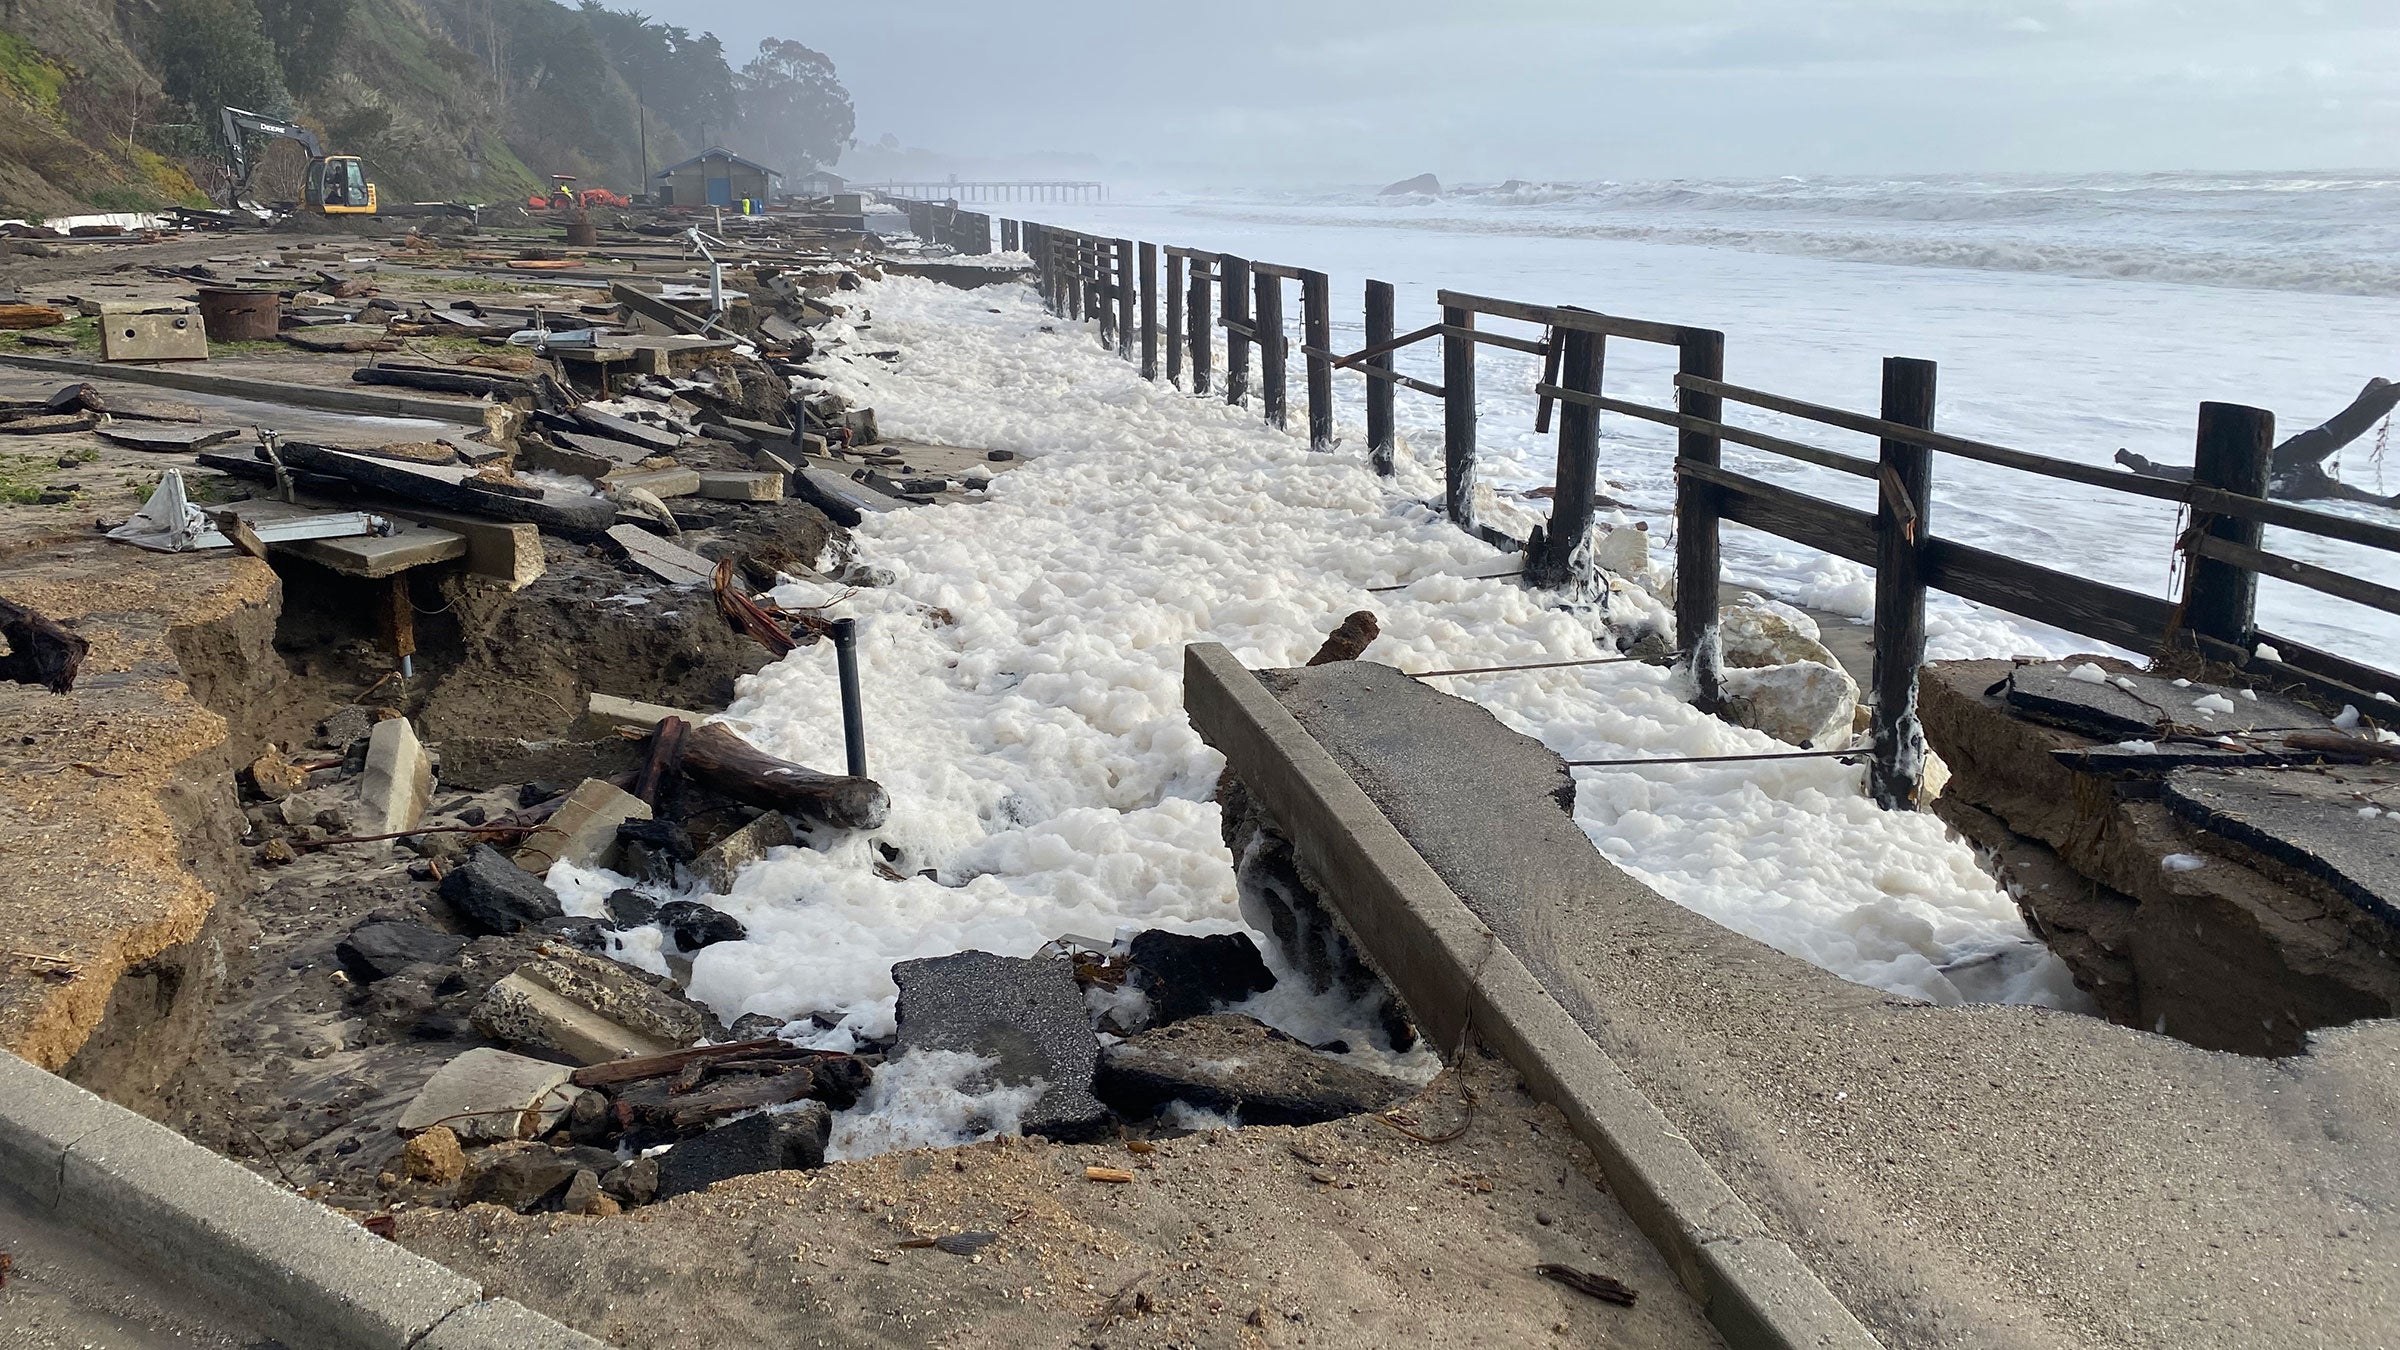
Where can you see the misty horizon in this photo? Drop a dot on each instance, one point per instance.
(1351, 95)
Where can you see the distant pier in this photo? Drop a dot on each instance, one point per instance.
(952, 190)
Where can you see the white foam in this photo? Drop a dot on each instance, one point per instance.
(930, 1099)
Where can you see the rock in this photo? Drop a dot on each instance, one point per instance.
(1186, 976)
(590, 1120)
(587, 1008)
(630, 908)
(584, 829)
(488, 1094)
(1754, 632)
(1240, 1067)
(582, 1192)
(771, 1141)
(1805, 703)
(1423, 184)
(375, 950)
(652, 850)
(517, 1176)
(494, 895)
(1027, 1014)
(591, 935)
(1625, 552)
(398, 780)
(1355, 635)
(275, 777)
(690, 925)
(277, 853)
(755, 1027)
(434, 1157)
(632, 1183)
(724, 860)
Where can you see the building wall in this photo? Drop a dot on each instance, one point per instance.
(690, 186)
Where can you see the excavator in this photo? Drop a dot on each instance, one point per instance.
(336, 184)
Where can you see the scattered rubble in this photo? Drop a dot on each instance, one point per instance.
(1239, 1068)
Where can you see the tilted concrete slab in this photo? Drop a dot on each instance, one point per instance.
(1976, 1175)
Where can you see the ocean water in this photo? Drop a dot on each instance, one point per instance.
(2070, 316)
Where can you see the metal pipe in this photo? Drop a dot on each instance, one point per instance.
(854, 718)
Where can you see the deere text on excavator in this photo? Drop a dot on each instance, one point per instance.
(336, 185)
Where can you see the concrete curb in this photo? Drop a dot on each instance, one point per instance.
(319, 397)
(1452, 970)
(315, 1278)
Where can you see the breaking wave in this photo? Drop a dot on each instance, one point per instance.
(2329, 234)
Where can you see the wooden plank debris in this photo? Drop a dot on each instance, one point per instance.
(166, 440)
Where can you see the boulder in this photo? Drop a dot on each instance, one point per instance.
(629, 908)
(518, 1176)
(1026, 1014)
(275, 776)
(1423, 184)
(631, 1183)
(488, 1094)
(434, 1157)
(690, 926)
(1755, 632)
(771, 1141)
(1809, 704)
(1239, 1067)
(375, 950)
(1186, 976)
(494, 895)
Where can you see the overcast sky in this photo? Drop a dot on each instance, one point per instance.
(1350, 91)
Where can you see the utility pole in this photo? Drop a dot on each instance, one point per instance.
(641, 115)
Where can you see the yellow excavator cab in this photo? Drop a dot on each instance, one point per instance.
(338, 186)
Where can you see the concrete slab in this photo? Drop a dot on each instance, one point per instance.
(610, 711)
(741, 487)
(368, 555)
(2009, 1175)
(584, 830)
(488, 1094)
(721, 862)
(669, 562)
(661, 483)
(2325, 822)
(398, 782)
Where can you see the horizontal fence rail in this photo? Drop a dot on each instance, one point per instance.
(1114, 285)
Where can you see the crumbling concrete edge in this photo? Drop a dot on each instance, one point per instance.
(1453, 972)
(321, 397)
(317, 1280)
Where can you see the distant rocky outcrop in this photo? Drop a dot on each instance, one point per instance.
(1423, 184)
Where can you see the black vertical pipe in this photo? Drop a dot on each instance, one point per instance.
(854, 716)
(1903, 519)
(1379, 392)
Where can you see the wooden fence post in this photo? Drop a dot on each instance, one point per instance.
(1008, 235)
(1380, 439)
(1903, 519)
(1274, 367)
(1316, 334)
(1700, 353)
(1127, 300)
(1458, 416)
(1072, 247)
(1149, 271)
(1198, 330)
(1176, 337)
(1233, 291)
(2220, 600)
(1559, 557)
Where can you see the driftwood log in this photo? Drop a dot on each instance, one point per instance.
(713, 755)
(2296, 471)
(39, 651)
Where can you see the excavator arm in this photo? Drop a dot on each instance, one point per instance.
(240, 125)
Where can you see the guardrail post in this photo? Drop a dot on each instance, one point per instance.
(1126, 299)
(1379, 392)
(1274, 364)
(1197, 326)
(1560, 555)
(1903, 520)
(1458, 416)
(1149, 270)
(2220, 600)
(1316, 333)
(1701, 353)
(1233, 288)
(1008, 235)
(1073, 247)
(1176, 338)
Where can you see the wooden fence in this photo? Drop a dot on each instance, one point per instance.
(1114, 283)
(944, 223)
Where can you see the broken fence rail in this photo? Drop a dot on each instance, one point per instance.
(1108, 282)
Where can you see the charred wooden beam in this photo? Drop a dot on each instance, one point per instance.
(717, 758)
